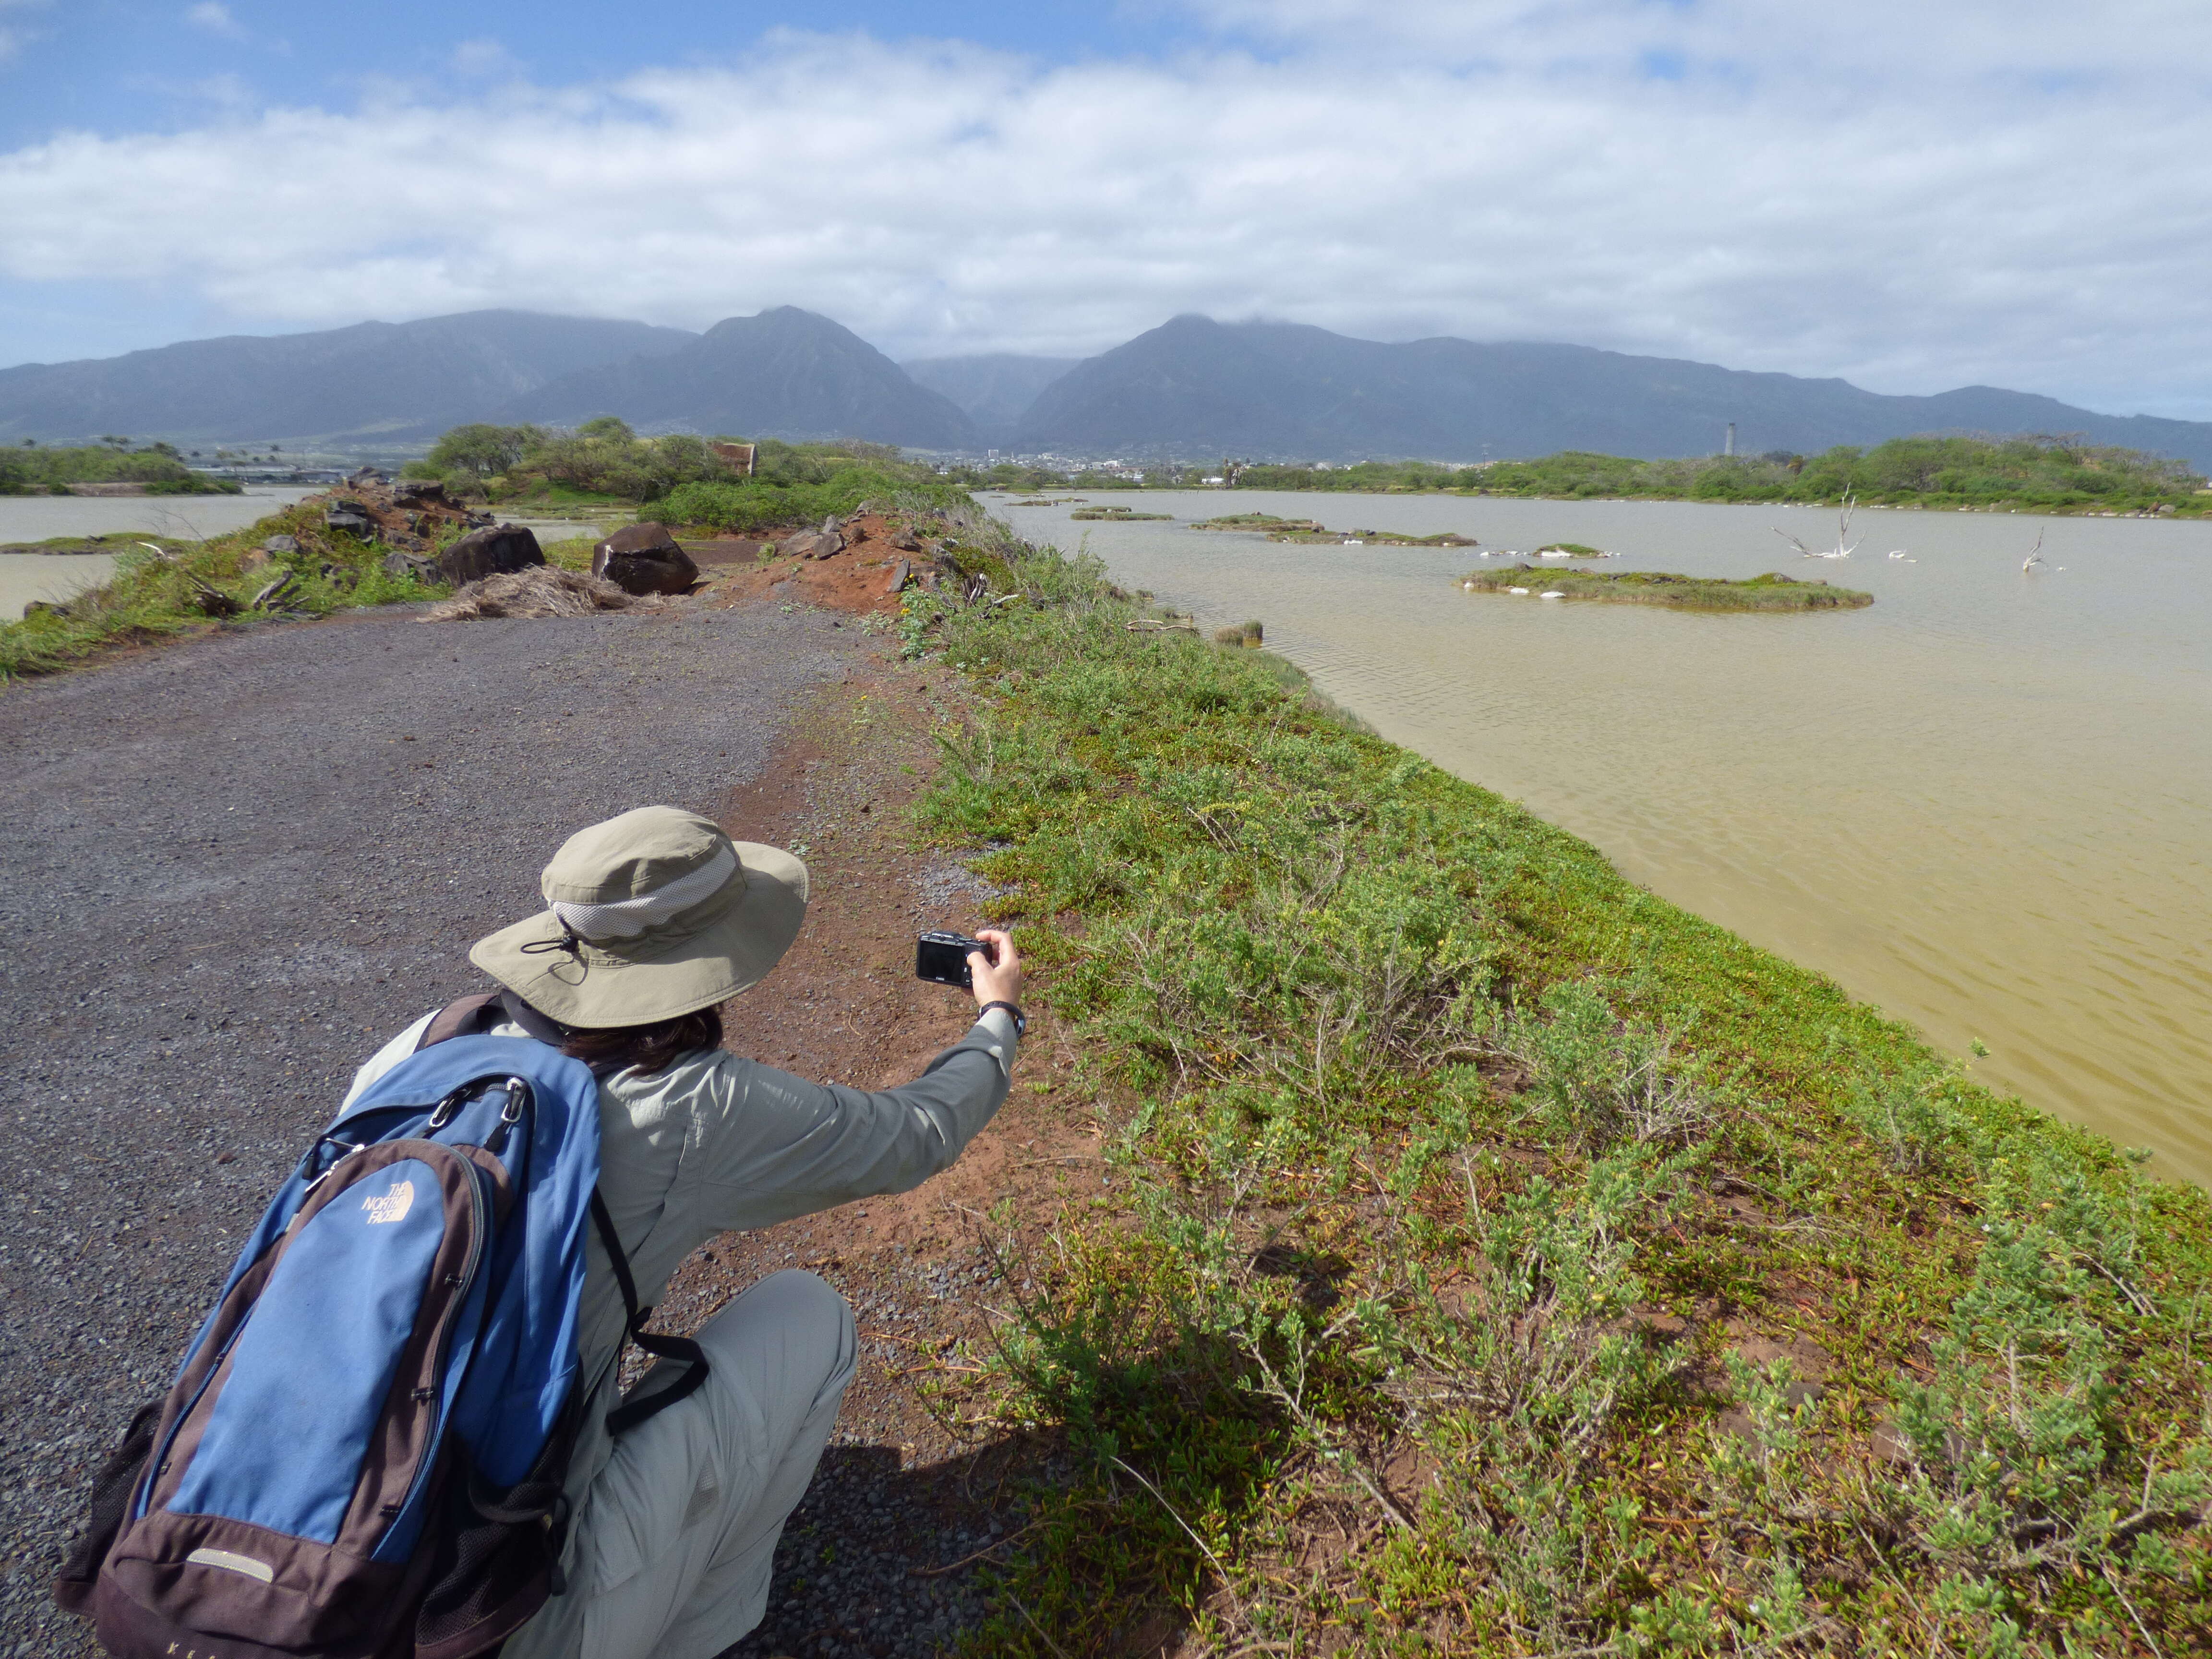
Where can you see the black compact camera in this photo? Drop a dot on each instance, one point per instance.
(942, 958)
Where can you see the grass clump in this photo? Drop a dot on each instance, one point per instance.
(1771, 592)
(1574, 549)
(1510, 1261)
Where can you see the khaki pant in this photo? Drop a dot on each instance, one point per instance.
(681, 1530)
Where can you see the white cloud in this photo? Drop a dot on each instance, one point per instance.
(215, 17)
(1767, 197)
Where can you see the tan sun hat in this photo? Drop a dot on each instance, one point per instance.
(651, 915)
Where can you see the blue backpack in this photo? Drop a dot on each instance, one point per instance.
(362, 1454)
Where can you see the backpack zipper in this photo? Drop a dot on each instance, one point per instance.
(480, 1218)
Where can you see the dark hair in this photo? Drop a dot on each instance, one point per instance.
(650, 1048)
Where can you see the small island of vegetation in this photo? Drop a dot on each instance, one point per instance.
(1267, 523)
(1571, 550)
(1771, 592)
(1312, 531)
(1120, 514)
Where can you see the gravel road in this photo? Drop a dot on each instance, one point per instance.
(233, 867)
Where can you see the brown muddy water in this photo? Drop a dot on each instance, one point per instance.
(1981, 804)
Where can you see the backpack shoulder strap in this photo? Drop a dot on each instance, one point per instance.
(463, 1017)
(682, 1349)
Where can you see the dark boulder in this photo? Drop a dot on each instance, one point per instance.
(280, 545)
(413, 492)
(351, 517)
(403, 564)
(644, 558)
(493, 552)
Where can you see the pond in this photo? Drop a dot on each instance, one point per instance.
(1981, 804)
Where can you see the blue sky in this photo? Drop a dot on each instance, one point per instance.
(148, 65)
(1913, 194)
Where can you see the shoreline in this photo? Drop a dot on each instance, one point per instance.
(2194, 514)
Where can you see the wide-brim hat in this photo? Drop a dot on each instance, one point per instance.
(649, 915)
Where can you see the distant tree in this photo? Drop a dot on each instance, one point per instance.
(609, 427)
(115, 441)
(484, 449)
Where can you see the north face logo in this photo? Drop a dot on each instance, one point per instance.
(389, 1206)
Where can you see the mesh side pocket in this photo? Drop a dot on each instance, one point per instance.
(488, 1579)
(111, 1497)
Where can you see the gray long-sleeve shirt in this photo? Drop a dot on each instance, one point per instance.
(711, 1144)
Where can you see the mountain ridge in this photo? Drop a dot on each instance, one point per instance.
(1195, 387)
(1192, 389)
(782, 373)
(366, 380)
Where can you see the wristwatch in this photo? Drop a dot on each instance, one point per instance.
(1021, 1020)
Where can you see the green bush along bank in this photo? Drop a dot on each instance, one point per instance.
(679, 479)
(2045, 475)
(1501, 1260)
(28, 469)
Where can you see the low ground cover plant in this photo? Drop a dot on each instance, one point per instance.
(1510, 1261)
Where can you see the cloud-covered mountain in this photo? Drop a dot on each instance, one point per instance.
(994, 388)
(1195, 387)
(783, 373)
(372, 380)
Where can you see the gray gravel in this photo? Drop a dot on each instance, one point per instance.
(233, 867)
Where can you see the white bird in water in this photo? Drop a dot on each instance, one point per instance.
(1900, 553)
(2033, 561)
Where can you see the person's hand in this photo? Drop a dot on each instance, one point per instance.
(999, 981)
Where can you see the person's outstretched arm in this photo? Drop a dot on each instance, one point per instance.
(767, 1145)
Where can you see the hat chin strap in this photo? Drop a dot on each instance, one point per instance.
(628, 918)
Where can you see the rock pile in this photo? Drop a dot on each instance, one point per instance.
(409, 517)
(815, 543)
